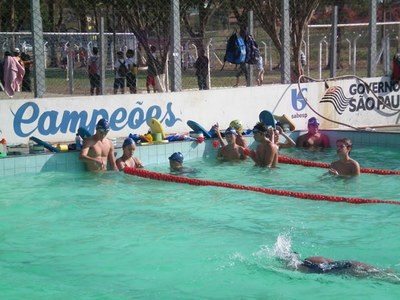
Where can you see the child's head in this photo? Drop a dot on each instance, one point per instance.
(120, 54)
(176, 160)
(129, 146)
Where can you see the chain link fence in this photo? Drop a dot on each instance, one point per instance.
(70, 32)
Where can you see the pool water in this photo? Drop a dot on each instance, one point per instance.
(117, 236)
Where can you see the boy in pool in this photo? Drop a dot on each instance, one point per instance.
(231, 151)
(237, 125)
(97, 149)
(266, 154)
(176, 164)
(289, 141)
(345, 166)
(127, 159)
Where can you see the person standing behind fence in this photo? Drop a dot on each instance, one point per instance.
(260, 70)
(94, 72)
(132, 71)
(152, 66)
(121, 70)
(26, 81)
(201, 66)
(243, 68)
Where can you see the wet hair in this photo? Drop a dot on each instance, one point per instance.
(260, 126)
(346, 141)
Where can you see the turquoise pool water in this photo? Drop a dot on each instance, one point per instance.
(116, 236)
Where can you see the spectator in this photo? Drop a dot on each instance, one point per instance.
(13, 73)
(94, 72)
(132, 71)
(243, 68)
(26, 81)
(120, 70)
(260, 70)
(153, 66)
(201, 66)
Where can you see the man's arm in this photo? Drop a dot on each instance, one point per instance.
(111, 158)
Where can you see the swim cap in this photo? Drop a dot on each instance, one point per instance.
(103, 124)
(313, 121)
(230, 130)
(237, 124)
(177, 156)
(128, 142)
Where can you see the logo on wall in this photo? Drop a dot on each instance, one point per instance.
(336, 97)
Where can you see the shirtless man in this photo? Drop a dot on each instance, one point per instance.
(266, 154)
(231, 151)
(97, 149)
(345, 166)
(313, 138)
(127, 159)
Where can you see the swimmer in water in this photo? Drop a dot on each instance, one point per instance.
(323, 265)
(128, 159)
(313, 138)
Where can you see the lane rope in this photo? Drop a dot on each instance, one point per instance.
(306, 163)
(200, 182)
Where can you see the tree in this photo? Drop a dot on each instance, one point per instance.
(269, 14)
(205, 11)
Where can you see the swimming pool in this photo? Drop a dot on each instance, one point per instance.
(115, 236)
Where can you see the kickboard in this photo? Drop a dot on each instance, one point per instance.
(196, 127)
(284, 119)
(267, 118)
(155, 127)
(44, 144)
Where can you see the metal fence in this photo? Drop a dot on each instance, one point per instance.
(66, 54)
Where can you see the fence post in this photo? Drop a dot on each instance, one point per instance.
(372, 39)
(285, 52)
(38, 50)
(333, 49)
(176, 72)
(103, 55)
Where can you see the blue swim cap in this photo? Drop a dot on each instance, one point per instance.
(177, 156)
(103, 124)
(230, 130)
(128, 142)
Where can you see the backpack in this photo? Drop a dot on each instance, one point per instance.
(122, 69)
(396, 68)
(235, 50)
(93, 65)
(252, 50)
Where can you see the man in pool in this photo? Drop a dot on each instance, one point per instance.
(127, 159)
(97, 150)
(313, 138)
(345, 166)
(266, 154)
(231, 151)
